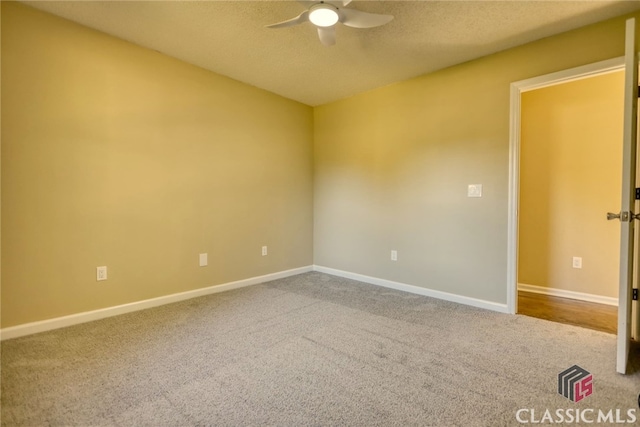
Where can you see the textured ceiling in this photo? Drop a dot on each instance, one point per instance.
(230, 38)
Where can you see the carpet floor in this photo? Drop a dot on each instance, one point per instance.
(308, 350)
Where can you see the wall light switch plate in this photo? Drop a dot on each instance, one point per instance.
(394, 255)
(474, 190)
(204, 260)
(101, 273)
(264, 251)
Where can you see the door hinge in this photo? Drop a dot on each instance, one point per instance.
(637, 193)
(634, 294)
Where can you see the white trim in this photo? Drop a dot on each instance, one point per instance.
(562, 293)
(513, 196)
(517, 88)
(88, 316)
(488, 305)
(572, 74)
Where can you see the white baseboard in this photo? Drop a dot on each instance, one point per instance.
(494, 306)
(88, 316)
(568, 294)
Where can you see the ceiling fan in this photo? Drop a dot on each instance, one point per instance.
(326, 14)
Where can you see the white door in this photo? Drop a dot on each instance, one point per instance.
(626, 214)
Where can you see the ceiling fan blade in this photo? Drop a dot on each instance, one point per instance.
(359, 19)
(327, 35)
(303, 17)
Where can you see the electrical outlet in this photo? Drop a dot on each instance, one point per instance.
(264, 251)
(474, 190)
(394, 255)
(204, 260)
(577, 262)
(101, 273)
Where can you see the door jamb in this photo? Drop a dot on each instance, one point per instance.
(517, 88)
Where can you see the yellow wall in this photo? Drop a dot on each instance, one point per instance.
(392, 168)
(117, 155)
(571, 164)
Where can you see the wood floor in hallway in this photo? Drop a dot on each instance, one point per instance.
(589, 315)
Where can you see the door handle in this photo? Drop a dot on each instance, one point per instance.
(612, 216)
(623, 216)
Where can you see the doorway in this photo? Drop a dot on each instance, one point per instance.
(570, 168)
(517, 91)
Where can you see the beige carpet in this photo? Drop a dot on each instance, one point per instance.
(307, 350)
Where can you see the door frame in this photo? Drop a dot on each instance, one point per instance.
(517, 89)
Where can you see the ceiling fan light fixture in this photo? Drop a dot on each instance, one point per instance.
(323, 15)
